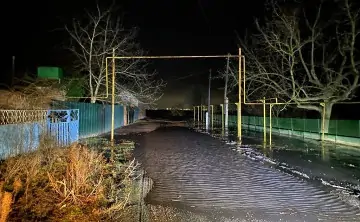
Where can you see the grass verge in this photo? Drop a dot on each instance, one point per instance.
(88, 181)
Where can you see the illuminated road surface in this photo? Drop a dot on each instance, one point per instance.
(195, 171)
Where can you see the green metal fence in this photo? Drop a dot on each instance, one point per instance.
(95, 119)
(345, 128)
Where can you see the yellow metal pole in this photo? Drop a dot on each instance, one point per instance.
(146, 57)
(212, 116)
(175, 57)
(270, 118)
(239, 106)
(323, 122)
(264, 111)
(198, 114)
(113, 99)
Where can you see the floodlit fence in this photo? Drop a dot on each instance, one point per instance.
(63, 126)
(346, 128)
(21, 130)
(67, 122)
(19, 138)
(95, 119)
(339, 131)
(22, 116)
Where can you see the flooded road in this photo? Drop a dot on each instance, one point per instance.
(331, 164)
(195, 171)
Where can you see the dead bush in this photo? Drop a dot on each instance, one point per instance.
(82, 180)
(72, 184)
(34, 94)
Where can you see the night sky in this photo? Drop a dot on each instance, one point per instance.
(178, 27)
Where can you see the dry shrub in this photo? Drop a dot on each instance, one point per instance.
(6, 202)
(1, 189)
(72, 184)
(53, 183)
(121, 191)
(82, 180)
(35, 95)
(1, 195)
(49, 153)
(7, 199)
(25, 168)
(17, 185)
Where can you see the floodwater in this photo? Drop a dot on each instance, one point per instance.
(289, 181)
(328, 163)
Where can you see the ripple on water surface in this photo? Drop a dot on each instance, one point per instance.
(191, 169)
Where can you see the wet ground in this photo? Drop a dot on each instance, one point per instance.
(251, 182)
(330, 164)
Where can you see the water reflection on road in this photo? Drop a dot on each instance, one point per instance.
(194, 170)
(337, 165)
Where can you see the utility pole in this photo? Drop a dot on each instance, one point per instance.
(209, 100)
(226, 100)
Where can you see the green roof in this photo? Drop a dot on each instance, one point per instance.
(49, 72)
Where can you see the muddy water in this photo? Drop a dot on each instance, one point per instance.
(195, 171)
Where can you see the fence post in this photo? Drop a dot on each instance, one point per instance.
(264, 120)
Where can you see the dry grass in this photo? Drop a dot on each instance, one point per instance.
(66, 184)
(33, 95)
(122, 197)
(82, 180)
(1, 193)
(6, 202)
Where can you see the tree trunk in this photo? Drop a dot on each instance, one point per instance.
(327, 116)
(226, 112)
(93, 99)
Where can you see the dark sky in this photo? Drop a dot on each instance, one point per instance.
(167, 27)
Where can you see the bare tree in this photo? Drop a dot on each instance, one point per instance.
(252, 96)
(304, 58)
(93, 39)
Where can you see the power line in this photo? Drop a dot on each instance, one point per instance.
(188, 76)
